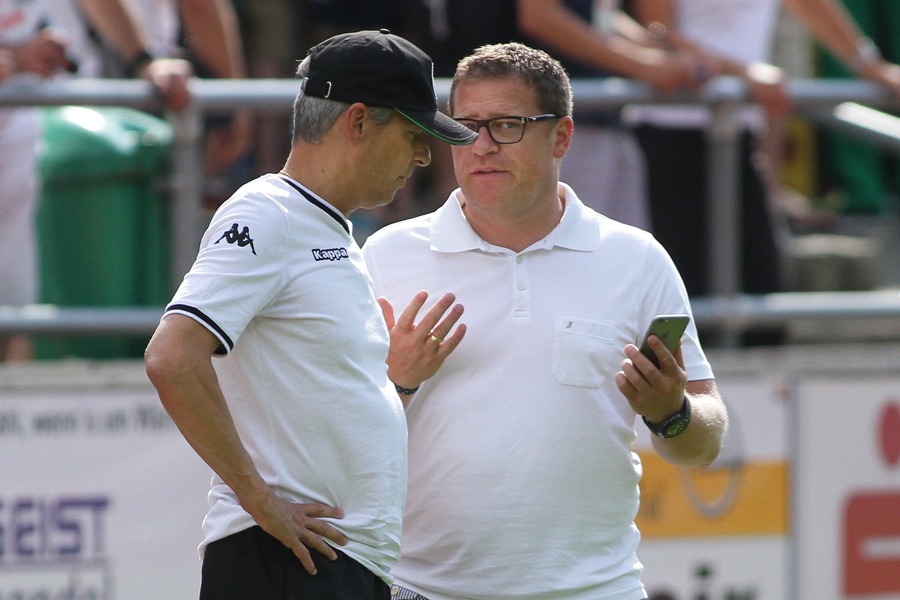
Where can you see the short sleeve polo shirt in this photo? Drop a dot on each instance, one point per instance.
(281, 283)
(522, 442)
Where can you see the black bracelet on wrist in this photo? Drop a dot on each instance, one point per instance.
(405, 391)
(140, 60)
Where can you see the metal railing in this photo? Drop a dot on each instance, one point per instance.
(825, 101)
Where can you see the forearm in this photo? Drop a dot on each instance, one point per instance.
(831, 25)
(553, 24)
(700, 443)
(835, 29)
(662, 12)
(117, 25)
(211, 29)
(179, 364)
(200, 413)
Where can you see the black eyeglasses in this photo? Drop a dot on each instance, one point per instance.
(504, 130)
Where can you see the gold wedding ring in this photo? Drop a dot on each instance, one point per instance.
(436, 338)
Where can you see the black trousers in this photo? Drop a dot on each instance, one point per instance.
(253, 565)
(677, 164)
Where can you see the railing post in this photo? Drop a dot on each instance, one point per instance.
(187, 189)
(723, 227)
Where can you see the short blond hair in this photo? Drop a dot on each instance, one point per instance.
(540, 71)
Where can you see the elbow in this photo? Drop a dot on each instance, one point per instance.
(696, 458)
(701, 450)
(705, 457)
(708, 451)
(155, 365)
(161, 362)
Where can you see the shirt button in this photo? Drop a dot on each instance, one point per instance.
(522, 285)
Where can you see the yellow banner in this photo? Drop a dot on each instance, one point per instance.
(744, 498)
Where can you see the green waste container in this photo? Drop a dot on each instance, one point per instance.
(102, 219)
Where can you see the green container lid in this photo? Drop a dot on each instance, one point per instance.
(82, 143)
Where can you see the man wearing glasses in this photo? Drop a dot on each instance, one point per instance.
(522, 483)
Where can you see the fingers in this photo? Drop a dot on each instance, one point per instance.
(307, 542)
(440, 329)
(311, 516)
(387, 311)
(679, 358)
(436, 324)
(318, 511)
(42, 54)
(417, 350)
(635, 369)
(448, 344)
(301, 528)
(639, 375)
(648, 389)
(408, 316)
(303, 555)
(313, 538)
(625, 386)
(314, 532)
(323, 531)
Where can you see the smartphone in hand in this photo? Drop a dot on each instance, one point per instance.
(669, 329)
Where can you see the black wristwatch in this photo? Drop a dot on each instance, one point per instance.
(672, 426)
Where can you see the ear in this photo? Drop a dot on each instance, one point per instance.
(356, 122)
(564, 128)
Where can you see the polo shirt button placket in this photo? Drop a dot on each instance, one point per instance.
(520, 278)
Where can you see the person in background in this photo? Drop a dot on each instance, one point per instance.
(736, 36)
(593, 39)
(35, 51)
(268, 31)
(296, 415)
(7, 64)
(864, 176)
(522, 480)
(203, 36)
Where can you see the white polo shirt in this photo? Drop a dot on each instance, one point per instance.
(522, 480)
(281, 283)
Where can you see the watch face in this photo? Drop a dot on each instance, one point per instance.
(675, 428)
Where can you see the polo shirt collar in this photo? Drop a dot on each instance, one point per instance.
(579, 228)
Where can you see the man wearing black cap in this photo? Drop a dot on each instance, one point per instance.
(298, 419)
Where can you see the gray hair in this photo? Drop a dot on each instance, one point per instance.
(314, 116)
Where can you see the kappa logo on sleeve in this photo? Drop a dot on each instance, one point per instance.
(329, 254)
(240, 237)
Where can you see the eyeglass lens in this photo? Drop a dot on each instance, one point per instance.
(503, 130)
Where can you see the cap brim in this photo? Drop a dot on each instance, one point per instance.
(440, 126)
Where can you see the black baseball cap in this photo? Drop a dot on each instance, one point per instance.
(381, 69)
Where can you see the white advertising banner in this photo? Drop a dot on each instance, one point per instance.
(847, 487)
(101, 498)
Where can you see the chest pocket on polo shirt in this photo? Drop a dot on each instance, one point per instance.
(584, 352)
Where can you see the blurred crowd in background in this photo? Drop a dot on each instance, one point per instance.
(814, 181)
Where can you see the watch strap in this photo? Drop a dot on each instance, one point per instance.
(674, 425)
